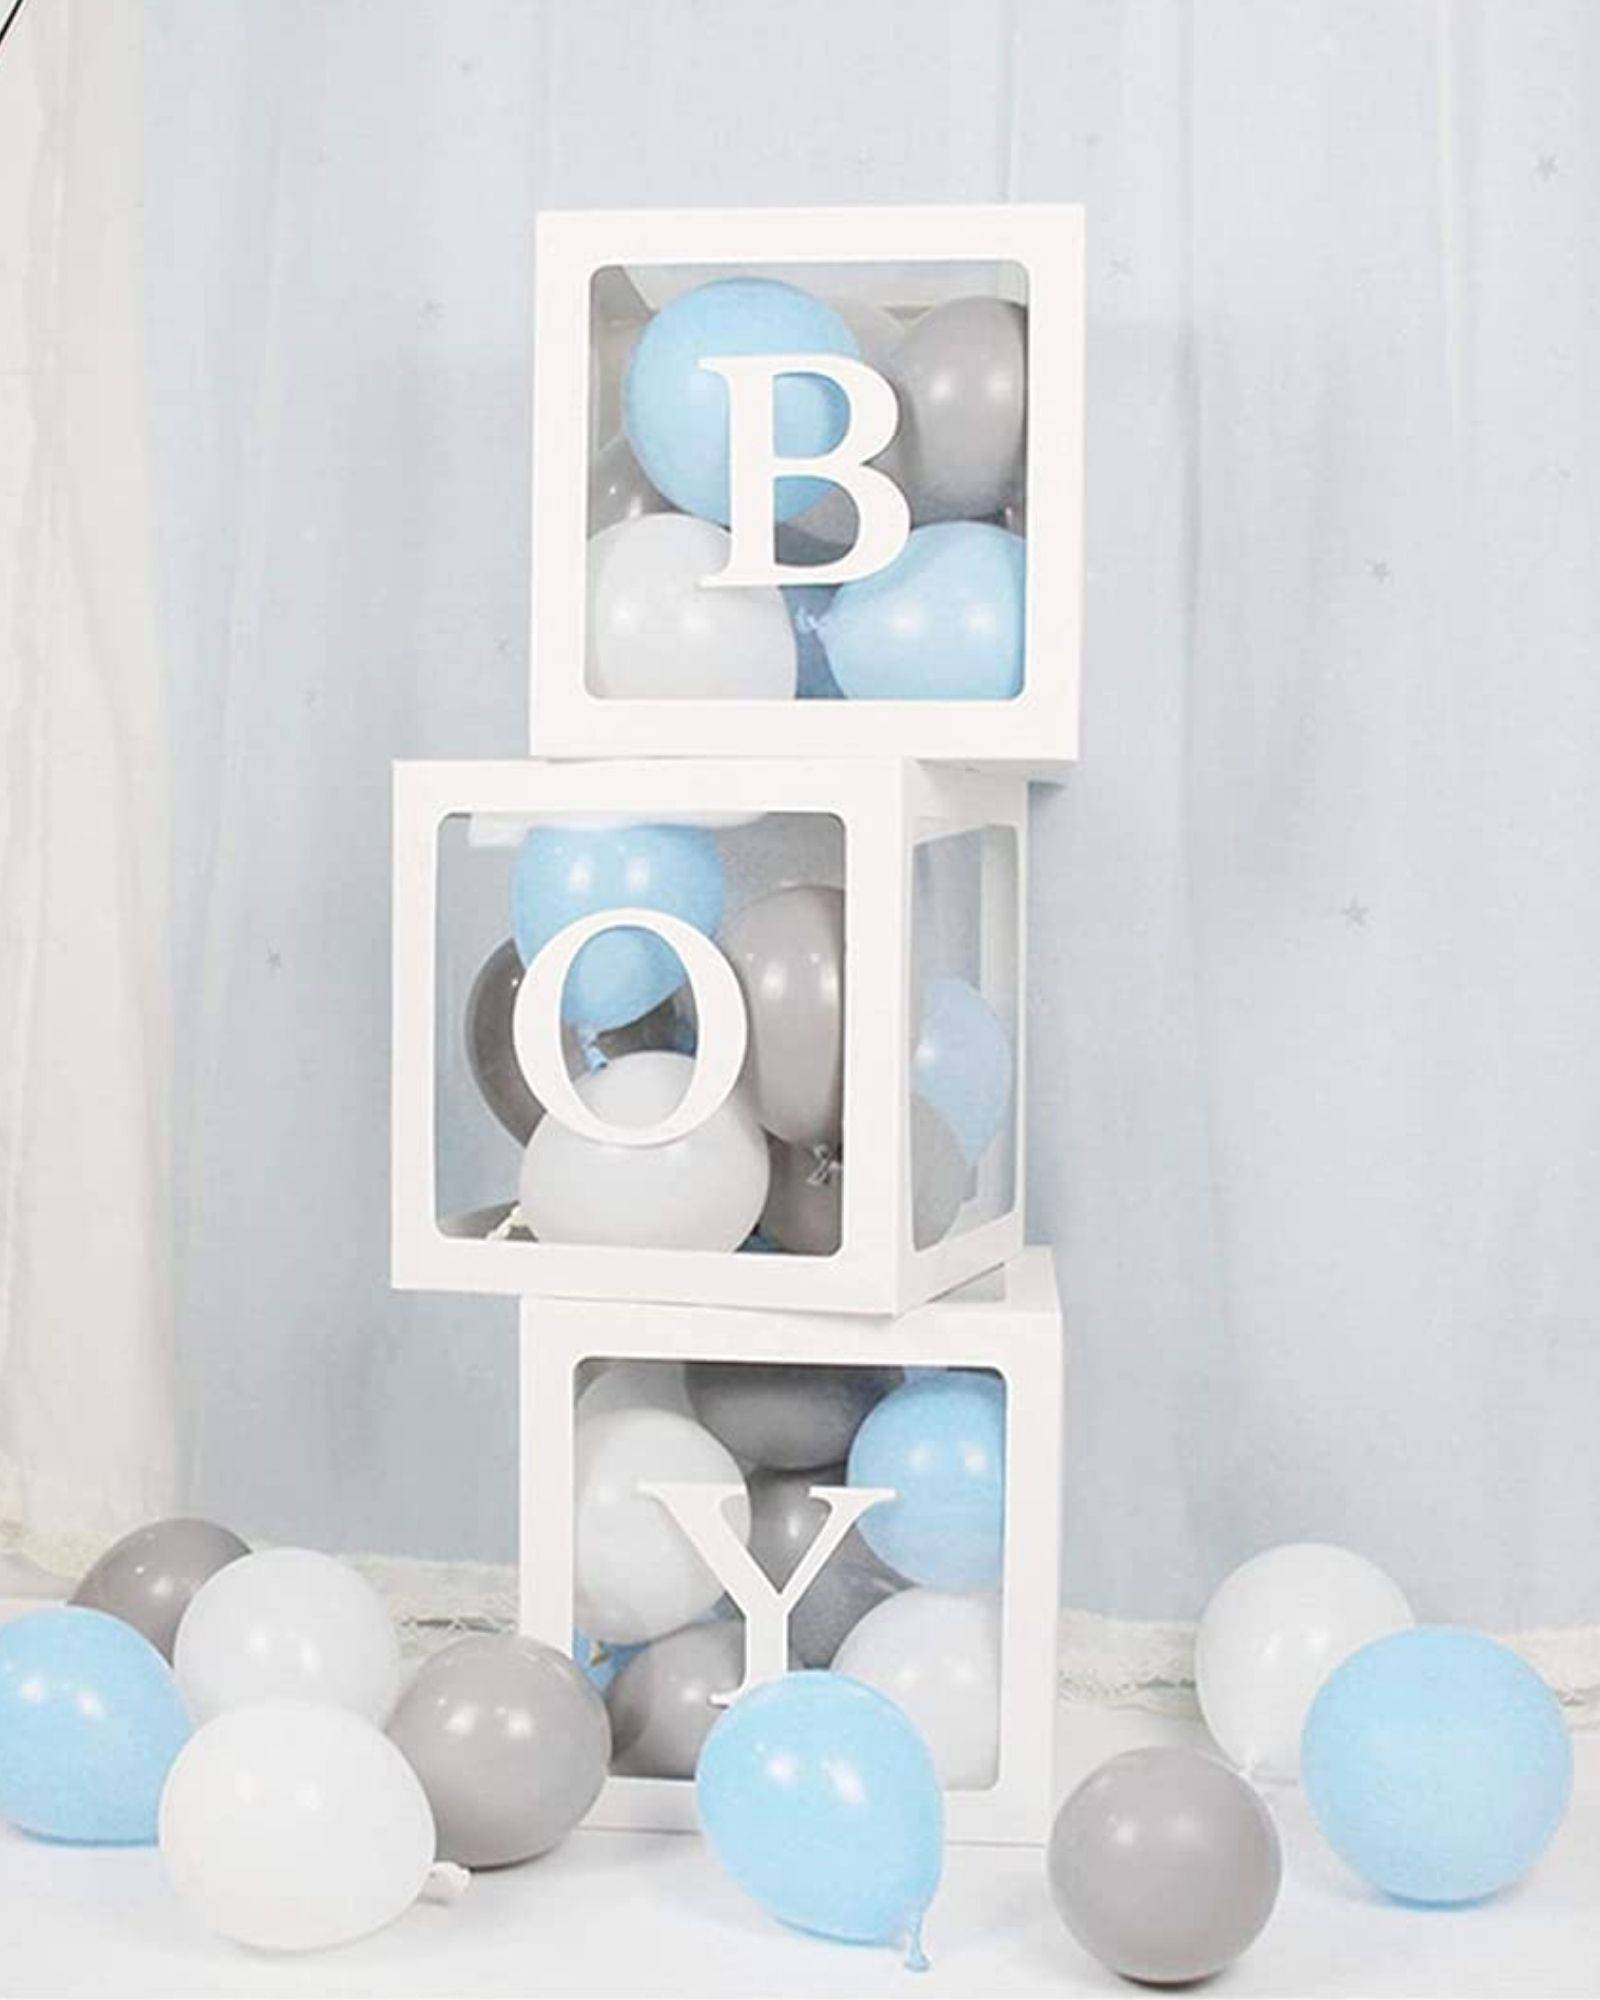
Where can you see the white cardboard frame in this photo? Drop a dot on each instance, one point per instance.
(880, 804)
(1036, 732)
(1009, 1322)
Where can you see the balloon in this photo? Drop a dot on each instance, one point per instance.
(656, 633)
(618, 489)
(1437, 1764)
(287, 1624)
(805, 1201)
(821, 1801)
(293, 1825)
(636, 1573)
(939, 1176)
(1272, 1634)
(511, 1744)
(939, 1442)
(961, 374)
(90, 1721)
(599, 1663)
(786, 1414)
(784, 1519)
(807, 603)
(937, 1657)
(676, 412)
(787, 949)
(701, 1192)
(148, 1578)
(660, 1703)
(636, 1385)
(566, 872)
(1165, 1865)
(961, 1064)
(943, 622)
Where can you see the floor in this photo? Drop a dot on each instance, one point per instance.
(642, 1914)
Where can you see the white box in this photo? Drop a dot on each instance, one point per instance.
(600, 278)
(1007, 1322)
(931, 863)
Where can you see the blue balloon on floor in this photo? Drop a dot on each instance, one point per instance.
(1437, 1763)
(676, 412)
(90, 1722)
(961, 1064)
(566, 872)
(939, 1442)
(945, 621)
(821, 1801)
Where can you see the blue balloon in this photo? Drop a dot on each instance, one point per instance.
(600, 1662)
(814, 679)
(821, 1801)
(676, 412)
(90, 1721)
(961, 1064)
(945, 621)
(939, 1441)
(566, 872)
(1437, 1764)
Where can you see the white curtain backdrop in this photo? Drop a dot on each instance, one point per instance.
(1316, 933)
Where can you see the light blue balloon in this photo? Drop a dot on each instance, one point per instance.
(821, 1801)
(939, 1442)
(564, 872)
(961, 1064)
(1437, 1763)
(90, 1721)
(945, 621)
(807, 603)
(676, 412)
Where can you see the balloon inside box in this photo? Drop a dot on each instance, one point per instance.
(711, 1502)
(769, 1054)
(885, 592)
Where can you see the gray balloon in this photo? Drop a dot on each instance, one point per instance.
(961, 374)
(1165, 1865)
(788, 952)
(784, 1519)
(786, 1415)
(511, 1743)
(618, 489)
(939, 1176)
(805, 1200)
(148, 1578)
(661, 1703)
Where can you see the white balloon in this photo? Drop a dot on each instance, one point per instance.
(704, 1191)
(656, 632)
(937, 1656)
(287, 1624)
(1273, 1633)
(636, 1573)
(292, 1826)
(636, 1385)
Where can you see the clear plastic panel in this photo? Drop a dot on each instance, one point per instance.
(936, 615)
(693, 1091)
(907, 1598)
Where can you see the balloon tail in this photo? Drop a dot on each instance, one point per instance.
(824, 1167)
(445, 1882)
(916, 1958)
(594, 1057)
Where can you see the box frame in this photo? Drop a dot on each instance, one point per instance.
(1036, 732)
(1018, 1334)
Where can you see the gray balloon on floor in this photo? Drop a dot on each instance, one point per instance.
(784, 1519)
(787, 949)
(1165, 1865)
(961, 374)
(148, 1578)
(511, 1743)
(661, 1703)
(805, 1201)
(786, 1414)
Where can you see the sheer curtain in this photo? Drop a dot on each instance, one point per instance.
(1316, 925)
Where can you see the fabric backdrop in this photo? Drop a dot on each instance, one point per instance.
(1316, 929)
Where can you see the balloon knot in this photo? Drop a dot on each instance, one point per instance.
(917, 1959)
(445, 1882)
(825, 1167)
